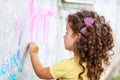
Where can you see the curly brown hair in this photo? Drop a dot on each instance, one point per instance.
(94, 46)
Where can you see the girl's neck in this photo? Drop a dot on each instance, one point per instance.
(75, 54)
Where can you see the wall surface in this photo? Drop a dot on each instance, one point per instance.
(22, 21)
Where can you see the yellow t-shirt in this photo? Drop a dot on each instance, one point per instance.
(68, 70)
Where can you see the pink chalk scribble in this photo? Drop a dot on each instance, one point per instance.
(18, 28)
(39, 16)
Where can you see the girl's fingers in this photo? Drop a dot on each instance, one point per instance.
(33, 47)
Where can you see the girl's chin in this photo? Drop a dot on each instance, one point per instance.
(68, 48)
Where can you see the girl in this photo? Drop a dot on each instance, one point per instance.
(90, 38)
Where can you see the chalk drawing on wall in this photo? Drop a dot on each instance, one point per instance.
(39, 17)
(13, 62)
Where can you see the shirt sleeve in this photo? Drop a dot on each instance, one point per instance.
(58, 70)
(102, 76)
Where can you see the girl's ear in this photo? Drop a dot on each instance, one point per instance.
(78, 36)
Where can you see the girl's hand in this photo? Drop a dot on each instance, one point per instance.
(33, 48)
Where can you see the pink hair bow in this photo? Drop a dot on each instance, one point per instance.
(88, 21)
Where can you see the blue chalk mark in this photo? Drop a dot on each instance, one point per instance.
(20, 38)
(22, 62)
(3, 71)
(19, 69)
(13, 60)
(21, 65)
(18, 54)
(12, 77)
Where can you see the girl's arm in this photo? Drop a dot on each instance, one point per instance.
(40, 71)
